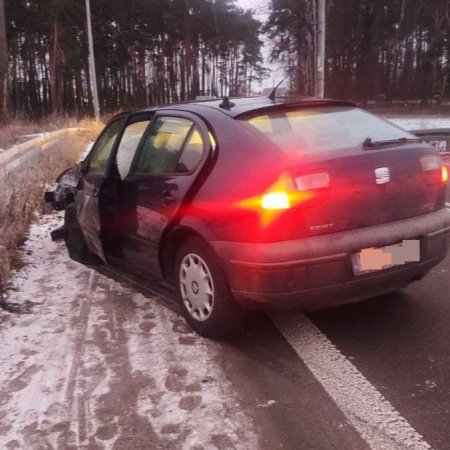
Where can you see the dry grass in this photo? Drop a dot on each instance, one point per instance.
(22, 195)
(11, 132)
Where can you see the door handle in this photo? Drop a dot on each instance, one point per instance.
(168, 198)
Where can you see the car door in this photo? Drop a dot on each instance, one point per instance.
(98, 187)
(166, 166)
(123, 156)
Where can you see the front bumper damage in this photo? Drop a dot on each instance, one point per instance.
(63, 195)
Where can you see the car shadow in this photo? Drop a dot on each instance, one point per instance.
(162, 292)
(359, 323)
(383, 318)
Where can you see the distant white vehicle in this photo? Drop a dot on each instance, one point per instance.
(438, 138)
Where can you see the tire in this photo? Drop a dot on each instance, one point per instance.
(74, 239)
(203, 292)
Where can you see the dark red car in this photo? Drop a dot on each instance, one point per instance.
(255, 203)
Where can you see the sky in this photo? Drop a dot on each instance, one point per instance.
(261, 9)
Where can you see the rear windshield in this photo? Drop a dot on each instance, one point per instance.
(324, 129)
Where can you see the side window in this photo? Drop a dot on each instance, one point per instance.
(99, 157)
(161, 148)
(192, 152)
(129, 144)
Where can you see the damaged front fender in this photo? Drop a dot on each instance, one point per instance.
(65, 188)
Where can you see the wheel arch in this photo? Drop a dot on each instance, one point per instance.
(172, 239)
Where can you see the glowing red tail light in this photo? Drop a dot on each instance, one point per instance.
(287, 192)
(434, 169)
(444, 174)
(275, 201)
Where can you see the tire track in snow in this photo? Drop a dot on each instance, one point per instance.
(81, 324)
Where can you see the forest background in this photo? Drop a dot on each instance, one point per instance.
(161, 51)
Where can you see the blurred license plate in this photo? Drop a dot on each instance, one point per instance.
(373, 259)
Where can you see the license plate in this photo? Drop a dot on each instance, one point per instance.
(374, 259)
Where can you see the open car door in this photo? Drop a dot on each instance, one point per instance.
(99, 187)
(167, 163)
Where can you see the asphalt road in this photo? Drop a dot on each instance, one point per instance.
(104, 361)
(400, 343)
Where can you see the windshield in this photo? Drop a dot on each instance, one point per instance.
(324, 129)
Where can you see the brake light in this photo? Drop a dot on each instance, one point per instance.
(444, 174)
(284, 194)
(275, 201)
(435, 171)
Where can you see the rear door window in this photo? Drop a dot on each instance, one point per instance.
(100, 154)
(192, 152)
(162, 146)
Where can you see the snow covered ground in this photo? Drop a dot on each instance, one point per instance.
(96, 365)
(420, 123)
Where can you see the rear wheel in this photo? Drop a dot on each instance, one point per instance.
(76, 245)
(203, 291)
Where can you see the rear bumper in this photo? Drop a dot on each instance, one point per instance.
(317, 271)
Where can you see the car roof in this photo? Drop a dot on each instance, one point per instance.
(235, 107)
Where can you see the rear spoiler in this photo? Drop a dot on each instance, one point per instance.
(437, 137)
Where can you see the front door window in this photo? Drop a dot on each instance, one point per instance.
(129, 143)
(99, 157)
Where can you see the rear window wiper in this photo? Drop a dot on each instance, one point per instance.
(371, 144)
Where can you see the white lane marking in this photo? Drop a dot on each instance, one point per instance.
(375, 419)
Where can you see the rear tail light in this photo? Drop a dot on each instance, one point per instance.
(275, 201)
(286, 192)
(444, 174)
(434, 170)
(430, 162)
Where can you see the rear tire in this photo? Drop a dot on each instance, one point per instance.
(204, 295)
(74, 239)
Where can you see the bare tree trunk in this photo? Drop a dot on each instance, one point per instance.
(3, 64)
(54, 79)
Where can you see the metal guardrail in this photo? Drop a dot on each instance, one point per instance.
(22, 156)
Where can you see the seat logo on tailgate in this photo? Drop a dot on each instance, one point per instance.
(382, 175)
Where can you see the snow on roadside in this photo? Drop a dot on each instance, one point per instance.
(95, 365)
(420, 123)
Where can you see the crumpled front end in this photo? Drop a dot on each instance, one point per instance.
(65, 188)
